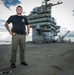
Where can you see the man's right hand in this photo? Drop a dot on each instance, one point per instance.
(10, 32)
(7, 27)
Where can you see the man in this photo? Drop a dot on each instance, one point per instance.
(18, 33)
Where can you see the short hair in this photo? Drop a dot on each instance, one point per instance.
(18, 6)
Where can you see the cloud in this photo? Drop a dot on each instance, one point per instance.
(8, 3)
(2, 20)
(2, 29)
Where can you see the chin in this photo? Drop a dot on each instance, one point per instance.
(19, 13)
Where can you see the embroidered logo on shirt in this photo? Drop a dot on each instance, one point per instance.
(23, 20)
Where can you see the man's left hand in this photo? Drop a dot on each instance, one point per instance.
(27, 33)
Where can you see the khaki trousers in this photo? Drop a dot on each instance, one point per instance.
(18, 40)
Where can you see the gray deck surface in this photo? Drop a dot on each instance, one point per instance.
(42, 59)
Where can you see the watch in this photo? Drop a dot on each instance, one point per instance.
(28, 32)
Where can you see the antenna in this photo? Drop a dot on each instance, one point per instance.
(46, 1)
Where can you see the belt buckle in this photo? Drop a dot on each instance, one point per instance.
(14, 33)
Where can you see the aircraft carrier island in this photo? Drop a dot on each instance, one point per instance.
(44, 26)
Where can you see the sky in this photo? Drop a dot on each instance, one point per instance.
(63, 13)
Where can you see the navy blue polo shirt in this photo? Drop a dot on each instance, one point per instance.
(18, 23)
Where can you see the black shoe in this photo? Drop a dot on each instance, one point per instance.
(13, 65)
(24, 63)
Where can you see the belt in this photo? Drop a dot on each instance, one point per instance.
(14, 33)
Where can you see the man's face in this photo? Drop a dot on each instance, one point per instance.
(19, 10)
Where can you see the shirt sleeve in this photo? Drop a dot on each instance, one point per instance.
(26, 21)
(9, 19)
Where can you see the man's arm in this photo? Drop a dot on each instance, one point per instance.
(28, 29)
(7, 27)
